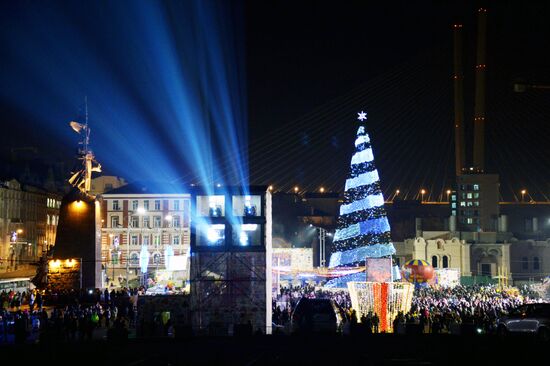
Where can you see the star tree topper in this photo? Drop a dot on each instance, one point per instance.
(362, 116)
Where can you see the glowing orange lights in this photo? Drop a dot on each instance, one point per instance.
(56, 264)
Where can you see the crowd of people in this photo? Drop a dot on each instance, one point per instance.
(76, 315)
(66, 315)
(433, 309)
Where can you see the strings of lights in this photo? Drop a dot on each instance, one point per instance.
(363, 228)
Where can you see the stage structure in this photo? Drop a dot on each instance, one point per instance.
(386, 299)
(231, 260)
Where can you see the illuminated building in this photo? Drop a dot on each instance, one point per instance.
(136, 216)
(28, 223)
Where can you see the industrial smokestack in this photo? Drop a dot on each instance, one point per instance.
(458, 78)
(479, 108)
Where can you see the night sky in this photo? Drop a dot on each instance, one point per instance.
(307, 69)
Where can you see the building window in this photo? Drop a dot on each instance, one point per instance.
(146, 222)
(134, 259)
(469, 196)
(247, 205)
(114, 258)
(156, 258)
(146, 204)
(156, 240)
(176, 221)
(476, 203)
(524, 263)
(157, 205)
(453, 212)
(213, 206)
(176, 205)
(453, 205)
(116, 207)
(453, 197)
(434, 261)
(135, 221)
(134, 205)
(469, 220)
(156, 221)
(108, 187)
(536, 263)
(176, 240)
(463, 195)
(114, 221)
(476, 195)
(134, 240)
(48, 219)
(146, 240)
(462, 204)
(445, 261)
(211, 235)
(476, 187)
(469, 204)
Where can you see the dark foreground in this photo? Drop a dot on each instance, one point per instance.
(380, 349)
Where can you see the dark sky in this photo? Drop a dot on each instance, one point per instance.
(394, 59)
(310, 66)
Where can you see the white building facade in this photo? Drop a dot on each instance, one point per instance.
(133, 220)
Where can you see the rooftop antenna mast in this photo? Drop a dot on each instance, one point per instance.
(82, 179)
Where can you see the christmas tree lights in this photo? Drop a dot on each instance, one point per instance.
(363, 227)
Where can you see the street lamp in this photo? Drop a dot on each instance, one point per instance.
(523, 191)
(422, 192)
(322, 189)
(296, 189)
(448, 193)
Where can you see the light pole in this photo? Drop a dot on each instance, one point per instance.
(448, 193)
(397, 191)
(523, 191)
(322, 247)
(422, 192)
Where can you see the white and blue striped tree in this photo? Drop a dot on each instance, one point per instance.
(363, 229)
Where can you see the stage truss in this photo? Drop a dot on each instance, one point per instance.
(383, 298)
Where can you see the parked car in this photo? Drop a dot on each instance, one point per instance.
(527, 319)
(315, 316)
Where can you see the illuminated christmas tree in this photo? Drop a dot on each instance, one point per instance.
(363, 229)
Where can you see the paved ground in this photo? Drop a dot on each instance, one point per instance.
(378, 349)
